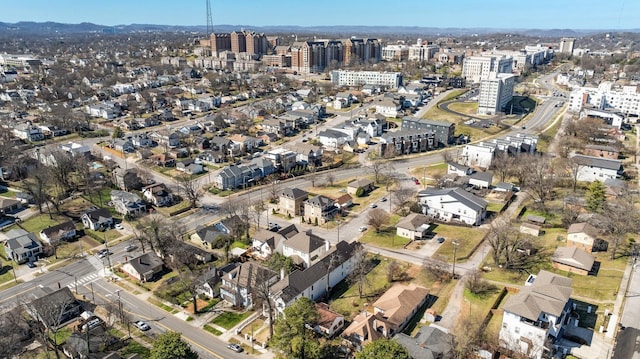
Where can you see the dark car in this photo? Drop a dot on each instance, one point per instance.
(31, 265)
(440, 239)
(235, 347)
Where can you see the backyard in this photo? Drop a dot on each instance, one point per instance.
(467, 239)
(387, 236)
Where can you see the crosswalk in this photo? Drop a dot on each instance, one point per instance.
(84, 280)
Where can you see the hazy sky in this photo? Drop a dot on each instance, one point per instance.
(541, 14)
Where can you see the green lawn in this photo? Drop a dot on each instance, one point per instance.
(387, 236)
(228, 320)
(466, 237)
(37, 223)
(211, 330)
(6, 272)
(494, 207)
(133, 347)
(469, 108)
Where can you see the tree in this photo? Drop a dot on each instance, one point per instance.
(377, 166)
(331, 178)
(596, 196)
(401, 197)
(188, 186)
(622, 218)
(377, 218)
(476, 284)
(160, 233)
(360, 192)
(394, 270)
(361, 267)
(541, 178)
(573, 168)
(291, 335)
(170, 345)
(262, 292)
(437, 269)
(383, 348)
(502, 165)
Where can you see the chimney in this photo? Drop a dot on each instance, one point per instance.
(139, 260)
(327, 245)
(309, 231)
(282, 273)
(126, 259)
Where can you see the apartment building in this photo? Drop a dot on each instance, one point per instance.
(477, 68)
(625, 99)
(420, 52)
(566, 45)
(395, 52)
(443, 132)
(361, 78)
(496, 92)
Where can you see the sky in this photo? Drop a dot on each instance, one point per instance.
(501, 14)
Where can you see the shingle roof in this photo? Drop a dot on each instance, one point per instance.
(61, 228)
(583, 227)
(413, 221)
(429, 343)
(305, 242)
(549, 293)
(399, 301)
(293, 193)
(598, 162)
(99, 214)
(320, 201)
(574, 257)
(146, 263)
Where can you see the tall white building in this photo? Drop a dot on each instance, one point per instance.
(360, 78)
(420, 52)
(478, 68)
(495, 93)
(625, 100)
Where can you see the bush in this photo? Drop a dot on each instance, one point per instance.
(360, 192)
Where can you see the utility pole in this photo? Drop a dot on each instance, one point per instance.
(455, 248)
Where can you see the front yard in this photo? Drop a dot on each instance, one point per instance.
(387, 237)
(467, 239)
(228, 320)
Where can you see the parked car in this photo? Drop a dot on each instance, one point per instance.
(130, 248)
(440, 239)
(363, 228)
(104, 252)
(383, 199)
(235, 347)
(373, 205)
(31, 265)
(91, 324)
(119, 226)
(141, 325)
(274, 227)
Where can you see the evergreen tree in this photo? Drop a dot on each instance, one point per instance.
(596, 196)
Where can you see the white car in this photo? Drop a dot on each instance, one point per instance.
(363, 228)
(119, 226)
(141, 325)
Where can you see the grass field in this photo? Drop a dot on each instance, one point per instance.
(387, 236)
(466, 237)
(469, 108)
(229, 320)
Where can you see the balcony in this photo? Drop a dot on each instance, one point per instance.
(539, 324)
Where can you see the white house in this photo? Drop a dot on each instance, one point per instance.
(539, 312)
(96, 219)
(312, 282)
(332, 139)
(453, 205)
(479, 154)
(597, 168)
(305, 248)
(388, 108)
(413, 226)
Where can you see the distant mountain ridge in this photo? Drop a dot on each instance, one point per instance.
(85, 27)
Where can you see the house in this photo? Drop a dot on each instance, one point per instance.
(313, 282)
(127, 203)
(319, 209)
(127, 179)
(264, 166)
(243, 143)
(8, 205)
(282, 158)
(210, 283)
(481, 179)
(344, 201)
(429, 343)
(22, 246)
(453, 205)
(189, 167)
(597, 168)
(236, 285)
(305, 248)
(158, 194)
(458, 169)
(329, 322)
(182, 250)
(55, 308)
(536, 316)
(306, 153)
(28, 132)
(399, 304)
(144, 267)
(332, 139)
(615, 187)
(163, 160)
(60, 232)
(388, 108)
(166, 138)
(365, 328)
(207, 236)
(415, 226)
(585, 236)
(504, 187)
(572, 260)
(235, 176)
(366, 185)
(291, 201)
(123, 145)
(608, 152)
(97, 219)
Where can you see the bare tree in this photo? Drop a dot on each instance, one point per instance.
(401, 198)
(437, 269)
(361, 267)
(503, 165)
(188, 186)
(542, 178)
(377, 166)
(377, 218)
(262, 293)
(13, 330)
(622, 218)
(573, 168)
(161, 234)
(394, 270)
(50, 314)
(331, 178)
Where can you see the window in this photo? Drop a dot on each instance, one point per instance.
(504, 325)
(517, 330)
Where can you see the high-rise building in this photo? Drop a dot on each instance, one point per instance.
(495, 93)
(395, 52)
(218, 43)
(478, 68)
(238, 42)
(566, 45)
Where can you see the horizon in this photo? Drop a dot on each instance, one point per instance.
(468, 14)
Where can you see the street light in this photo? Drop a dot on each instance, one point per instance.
(455, 249)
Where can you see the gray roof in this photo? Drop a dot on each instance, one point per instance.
(296, 282)
(293, 193)
(573, 257)
(468, 199)
(482, 176)
(320, 201)
(549, 293)
(61, 228)
(429, 343)
(599, 162)
(146, 263)
(305, 242)
(427, 122)
(458, 166)
(19, 240)
(413, 221)
(332, 134)
(99, 214)
(602, 148)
